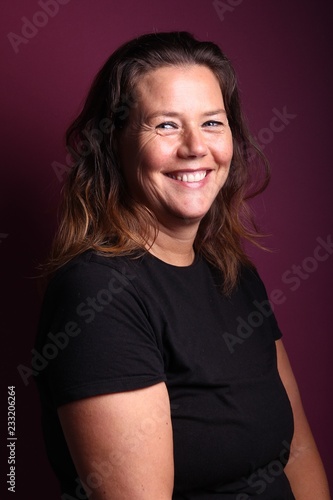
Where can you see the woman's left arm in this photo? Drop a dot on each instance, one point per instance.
(305, 469)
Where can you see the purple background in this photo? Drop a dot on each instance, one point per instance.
(282, 53)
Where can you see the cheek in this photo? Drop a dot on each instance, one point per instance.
(229, 146)
(155, 159)
(146, 170)
(223, 158)
(222, 148)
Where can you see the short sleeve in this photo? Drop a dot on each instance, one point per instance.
(265, 307)
(95, 334)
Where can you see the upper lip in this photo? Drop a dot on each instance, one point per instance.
(187, 171)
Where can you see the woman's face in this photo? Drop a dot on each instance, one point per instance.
(177, 148)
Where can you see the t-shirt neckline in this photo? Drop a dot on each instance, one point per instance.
(172, 266)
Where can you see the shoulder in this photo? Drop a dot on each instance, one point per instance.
(90, 270)
(250, 277)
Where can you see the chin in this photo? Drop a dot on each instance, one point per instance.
(197, 214)
(192, 217)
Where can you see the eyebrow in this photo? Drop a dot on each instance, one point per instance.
(174, 114)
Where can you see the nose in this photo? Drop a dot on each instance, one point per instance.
(192, 144)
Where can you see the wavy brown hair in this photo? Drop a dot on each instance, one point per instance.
(96, 211)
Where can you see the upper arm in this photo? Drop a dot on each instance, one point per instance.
(302, 434)
(305, 469)
(122, 444)
(107, 381)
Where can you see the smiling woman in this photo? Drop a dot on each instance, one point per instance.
(148, 401)
(177, 148)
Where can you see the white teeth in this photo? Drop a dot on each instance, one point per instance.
(190, 177)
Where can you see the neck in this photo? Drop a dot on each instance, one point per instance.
(174, 247)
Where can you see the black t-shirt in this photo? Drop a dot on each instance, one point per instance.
(112, 324)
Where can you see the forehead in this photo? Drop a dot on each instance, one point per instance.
(178, 85)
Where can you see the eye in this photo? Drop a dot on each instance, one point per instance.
(167, 125)
(213, 123)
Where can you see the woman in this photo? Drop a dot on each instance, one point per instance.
(169, 379)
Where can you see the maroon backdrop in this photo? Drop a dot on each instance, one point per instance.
(51, 49)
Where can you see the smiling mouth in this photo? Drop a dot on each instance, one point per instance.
(188, 176)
